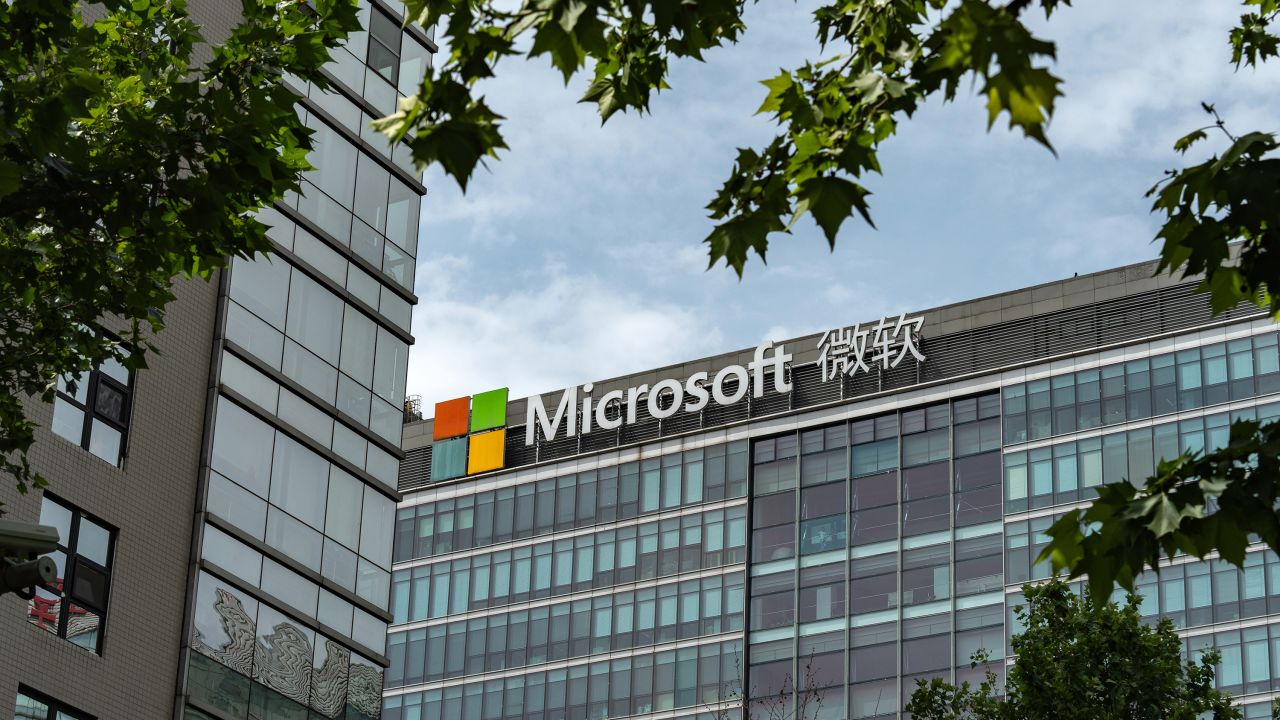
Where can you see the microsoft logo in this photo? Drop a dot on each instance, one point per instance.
(470, 435)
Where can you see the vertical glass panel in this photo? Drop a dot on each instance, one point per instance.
(282, 658)
(335, 161)
(313, 314)
(372, 583)
(231, 555)
(292, 537)
(334, 612)
(371, 192)
(329, 673)
(261, 285)
(104, 441)
(241, 377)
(299, 480)
(308, 370)
(342, 521)
(358, 337)
(321, 257)
(68, 421)
(55, 514)
(242, 447)
(289, 586)
(253, 334)
(339, 564)
(375, 527)
(353, 400)
(402, 223)
(224, 624)
(306, 417)
(390, 367)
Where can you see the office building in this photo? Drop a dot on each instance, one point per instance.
(226, 513)
(846, 512)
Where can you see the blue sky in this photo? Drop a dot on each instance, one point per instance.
(578, 255)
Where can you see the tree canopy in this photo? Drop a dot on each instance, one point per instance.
(882, 60)
(1079, 660)
(133, 152)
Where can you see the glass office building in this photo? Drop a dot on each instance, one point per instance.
(289, 583)
(225, 514)
(840, 535)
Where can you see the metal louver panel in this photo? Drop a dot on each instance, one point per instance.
(415, 470)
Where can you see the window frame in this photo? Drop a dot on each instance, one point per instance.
(72, 559)
(96, 377)
(56, 709)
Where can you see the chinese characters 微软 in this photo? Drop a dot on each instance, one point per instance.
(886, 344)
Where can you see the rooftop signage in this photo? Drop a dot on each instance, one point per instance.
(469, 432)
(847, 350)
(470, 435)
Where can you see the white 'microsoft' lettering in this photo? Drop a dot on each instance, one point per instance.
(843, 351)
(663, 400)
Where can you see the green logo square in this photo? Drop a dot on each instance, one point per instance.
(489, 410)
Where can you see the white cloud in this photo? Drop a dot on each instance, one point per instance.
(1135, 73)
(537, 336)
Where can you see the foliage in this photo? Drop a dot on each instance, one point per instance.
(1196, 504)
(1077, 660)
(126, 162)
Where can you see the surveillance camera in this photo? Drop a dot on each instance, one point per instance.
(21, 539)
(23, 577)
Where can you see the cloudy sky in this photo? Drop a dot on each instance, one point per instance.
(578, 256)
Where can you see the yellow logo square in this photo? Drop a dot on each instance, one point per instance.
(486, 451)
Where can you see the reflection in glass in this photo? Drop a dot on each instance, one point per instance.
(364, 689)
(82, 627)
(282, 656)
(329, 678)
(224, 625)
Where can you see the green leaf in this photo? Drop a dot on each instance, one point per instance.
(1185, 142)
(10, 177)
(778, 86)
(831, 200)
(1165, 516)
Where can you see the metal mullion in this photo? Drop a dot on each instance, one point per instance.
(902, 525)
(86, 428)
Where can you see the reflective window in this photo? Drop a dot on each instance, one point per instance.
(74, 604)
(613, 557)
(32, 705)
(1138, 389)
(235, 638)
(620, 492)
(675, 611)
(92, 410)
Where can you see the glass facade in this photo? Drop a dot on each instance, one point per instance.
(844, 559)
(503, 600)
(291, 588)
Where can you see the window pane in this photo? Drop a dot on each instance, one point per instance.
(242, 447)
(299, 481)
(104, 441)
(261, 285)
(313, 314)
(344, 508)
